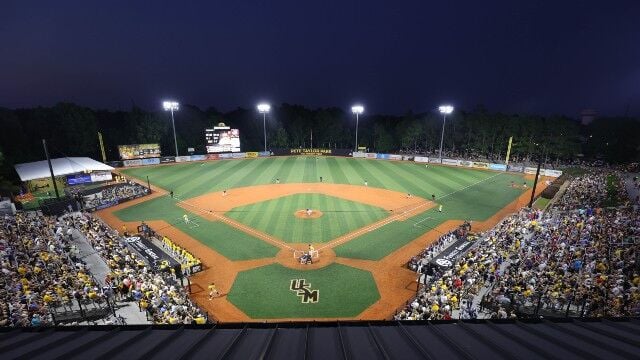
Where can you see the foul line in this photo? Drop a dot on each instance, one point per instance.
(239, 226)
(466, 187)
(375, 226)
(393, 218)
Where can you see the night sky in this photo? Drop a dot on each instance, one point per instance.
(543, 57)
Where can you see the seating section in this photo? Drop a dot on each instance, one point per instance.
(577, 259)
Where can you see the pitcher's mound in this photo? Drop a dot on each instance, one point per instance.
(302, 214)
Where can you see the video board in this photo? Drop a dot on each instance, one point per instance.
(222, 139)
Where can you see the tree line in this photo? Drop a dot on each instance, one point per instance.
(71, 130)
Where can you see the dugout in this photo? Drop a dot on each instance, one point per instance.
(68, 172)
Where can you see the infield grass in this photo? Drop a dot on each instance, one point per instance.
(276, 217)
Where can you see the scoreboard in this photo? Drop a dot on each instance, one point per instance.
(221, 139)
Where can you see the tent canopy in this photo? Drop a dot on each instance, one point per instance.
(61, 167)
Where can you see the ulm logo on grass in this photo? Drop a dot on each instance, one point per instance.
(303, 290)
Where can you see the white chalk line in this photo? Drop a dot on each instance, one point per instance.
(393, 217)
(374, 226)
(238, 225)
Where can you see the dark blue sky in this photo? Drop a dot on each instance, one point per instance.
(513, 56)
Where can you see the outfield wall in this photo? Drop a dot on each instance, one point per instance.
(339, 152)
(461, 163)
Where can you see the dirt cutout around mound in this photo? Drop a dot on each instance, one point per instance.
(396, 284)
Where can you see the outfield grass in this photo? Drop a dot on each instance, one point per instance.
(276, 217)
(343, 292)
(192, 179)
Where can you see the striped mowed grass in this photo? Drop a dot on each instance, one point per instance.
(192, 179)
(466, 194)
(276, 217)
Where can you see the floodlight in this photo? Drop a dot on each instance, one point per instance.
(446, 109)
(357, 109)
(171, 105)
(264, 108)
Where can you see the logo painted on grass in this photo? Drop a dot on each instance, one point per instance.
(303, 290)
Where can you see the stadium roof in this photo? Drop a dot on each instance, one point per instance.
(507, 339)
(61, 166)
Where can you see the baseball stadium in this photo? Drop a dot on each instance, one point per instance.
(319, 180)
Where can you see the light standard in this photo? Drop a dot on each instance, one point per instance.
(172, 106)
(444, 110)
(357, 109)
(264, 109)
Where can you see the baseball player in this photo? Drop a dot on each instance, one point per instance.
(186, 219)
(213, 290)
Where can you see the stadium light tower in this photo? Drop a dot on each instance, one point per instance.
(444, 110)
(264, 108)
(172, 106)
(357, 109)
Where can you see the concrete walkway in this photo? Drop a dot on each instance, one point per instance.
(99, 269)
(632, 190)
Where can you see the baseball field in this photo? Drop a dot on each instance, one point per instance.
(249, 220)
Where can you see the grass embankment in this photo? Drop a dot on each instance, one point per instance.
(615, 195)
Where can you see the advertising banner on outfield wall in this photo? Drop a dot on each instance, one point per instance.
(213, 156)
(382, 156)
(183, 158)
(499, 167)
(238, 155)
(251, 154)
(167, 159)
(407, 157)
(132, 162)
(198, 157)
(480, 165)
(358, 154)
(264, 153)
(531, 170)
(513, 168)
(466, 163)
(115, 164)
(395, 157)
(151, 253)
(451, 162)
(316, 152)
(553, 173)
(154, 161)
(370, 155)
(421, 159)
(225, 156)
(434, 160)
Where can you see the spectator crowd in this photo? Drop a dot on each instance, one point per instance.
(112, 195)
(40, 271)
(158, 293)
(577, 259)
